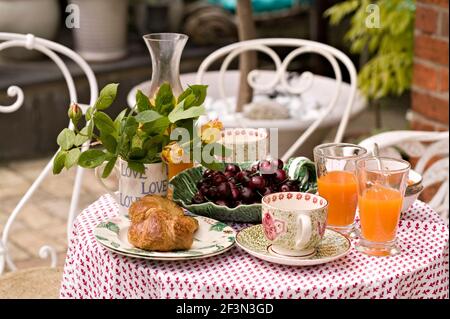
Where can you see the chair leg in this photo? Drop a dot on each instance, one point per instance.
(19, 206)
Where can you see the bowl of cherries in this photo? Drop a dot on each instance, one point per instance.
(235, 194)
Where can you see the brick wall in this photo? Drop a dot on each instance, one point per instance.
(430, 99)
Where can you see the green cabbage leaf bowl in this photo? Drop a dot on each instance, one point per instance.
(184, 187)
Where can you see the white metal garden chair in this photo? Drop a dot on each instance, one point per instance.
(432, 150)
(340, 100)
(51, 50)
(279, 78)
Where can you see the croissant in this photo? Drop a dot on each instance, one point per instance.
(159, 224)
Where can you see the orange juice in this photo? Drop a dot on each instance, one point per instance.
(339, 189)
(174, 169)
(379, 210)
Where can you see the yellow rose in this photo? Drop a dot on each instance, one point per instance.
(210, 132)
(174, 154)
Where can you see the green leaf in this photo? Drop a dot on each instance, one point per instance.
(81, 137)
(137, 153)
(152, 154)
(137, 167)
(110, 226)
(164, 95)
(156, 127)
(104, 123)
(180, 114)
(119, 119)
(88, 114)
(142, 101)
(66, 139)
(107, 96)
(92, 158)
(194, 95)
(184, 95)
(90, 129)
(115, 245)
(109, 167)
(199, 92)
(109, 142)
(130, 126)
(58, 162)
(72, 158)
(147, 116)
(219, 226)
(101, 238)
(215, 165)
(153, 140)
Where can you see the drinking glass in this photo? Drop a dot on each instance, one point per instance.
(335, 166)
(382, 182)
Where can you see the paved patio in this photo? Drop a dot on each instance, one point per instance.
(43, 220)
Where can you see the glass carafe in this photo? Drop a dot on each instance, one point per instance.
(165, 50)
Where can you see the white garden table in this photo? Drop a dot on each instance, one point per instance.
(420, 271)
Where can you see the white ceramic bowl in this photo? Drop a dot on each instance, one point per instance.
(413, 190)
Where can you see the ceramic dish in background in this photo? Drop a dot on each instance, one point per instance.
(413, 190)
(246, 144)
(184, 187)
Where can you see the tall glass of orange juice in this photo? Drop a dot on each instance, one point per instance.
(336, 172)
(381, 187)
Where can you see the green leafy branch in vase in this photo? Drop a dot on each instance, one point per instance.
(136, 135)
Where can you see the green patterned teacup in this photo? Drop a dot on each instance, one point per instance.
(293, 222)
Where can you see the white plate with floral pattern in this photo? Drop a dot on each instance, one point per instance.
(333, 246)
(211, 238)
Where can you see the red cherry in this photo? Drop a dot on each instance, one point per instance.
(212, 192)
(198, 198)
(277, 163)
(257, 182)
(240, 176)
(229, 175)
(224, 190)
(232, 168)
(266, 168)
(246, 194)
(280, 175)
(235, 194)
(219, 179)
(266, 191)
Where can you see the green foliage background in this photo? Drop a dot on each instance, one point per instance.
(389, 68)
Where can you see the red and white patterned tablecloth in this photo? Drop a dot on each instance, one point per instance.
(420, 271)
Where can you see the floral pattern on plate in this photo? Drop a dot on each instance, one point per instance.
(333, 246)
(211, 238)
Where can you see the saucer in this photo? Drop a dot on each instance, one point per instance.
(211, 238)
(280, 252)
(333, 246)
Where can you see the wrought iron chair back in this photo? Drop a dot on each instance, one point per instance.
(53, 51)
(300, 47)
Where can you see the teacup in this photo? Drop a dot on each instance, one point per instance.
(294, 223)
(134, 185)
